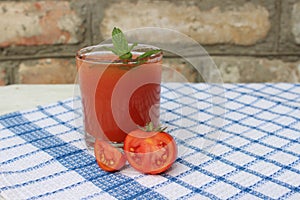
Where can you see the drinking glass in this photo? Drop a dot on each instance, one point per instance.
(117, 95)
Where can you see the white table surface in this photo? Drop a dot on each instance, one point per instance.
(255, 152)
(20, 97)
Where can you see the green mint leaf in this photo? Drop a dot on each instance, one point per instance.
(148, 54)
(133, 45)
(120, 43)
(122, 49)
(126, 56)
(111, 49)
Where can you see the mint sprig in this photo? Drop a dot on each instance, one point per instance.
(148, 53)
(122, 49)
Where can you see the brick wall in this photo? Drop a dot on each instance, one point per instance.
(250, 41)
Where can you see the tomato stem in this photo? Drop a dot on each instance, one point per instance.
(151, 128)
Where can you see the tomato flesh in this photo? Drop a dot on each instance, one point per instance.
(150, 152)
(108, 158)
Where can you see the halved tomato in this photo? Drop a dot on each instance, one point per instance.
(150, 152)
(108, 157)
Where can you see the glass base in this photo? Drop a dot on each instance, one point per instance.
(90, 142)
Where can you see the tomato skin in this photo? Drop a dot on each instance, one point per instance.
(108, 158)
(150, 152)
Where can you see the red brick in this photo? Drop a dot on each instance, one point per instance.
(47, 71)
(38, 23)
(250, 69)
(3, 76)
(233, 24)
(296, 22)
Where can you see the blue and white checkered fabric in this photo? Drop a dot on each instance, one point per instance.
(252, 151)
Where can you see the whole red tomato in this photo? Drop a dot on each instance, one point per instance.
(108, 157)
(150, 152)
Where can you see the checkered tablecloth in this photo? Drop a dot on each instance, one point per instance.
(240, 141)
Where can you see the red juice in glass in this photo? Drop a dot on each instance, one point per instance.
(117, 96)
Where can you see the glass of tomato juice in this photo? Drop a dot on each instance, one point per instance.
(117, 95)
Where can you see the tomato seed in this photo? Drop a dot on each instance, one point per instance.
(164, 157)
(131, 154)
(131, 149)
(102, 158)
(158, 162)
(111, 162)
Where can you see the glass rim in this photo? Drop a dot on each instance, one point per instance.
(137, 50)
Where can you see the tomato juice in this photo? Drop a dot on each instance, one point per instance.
(118, 96)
